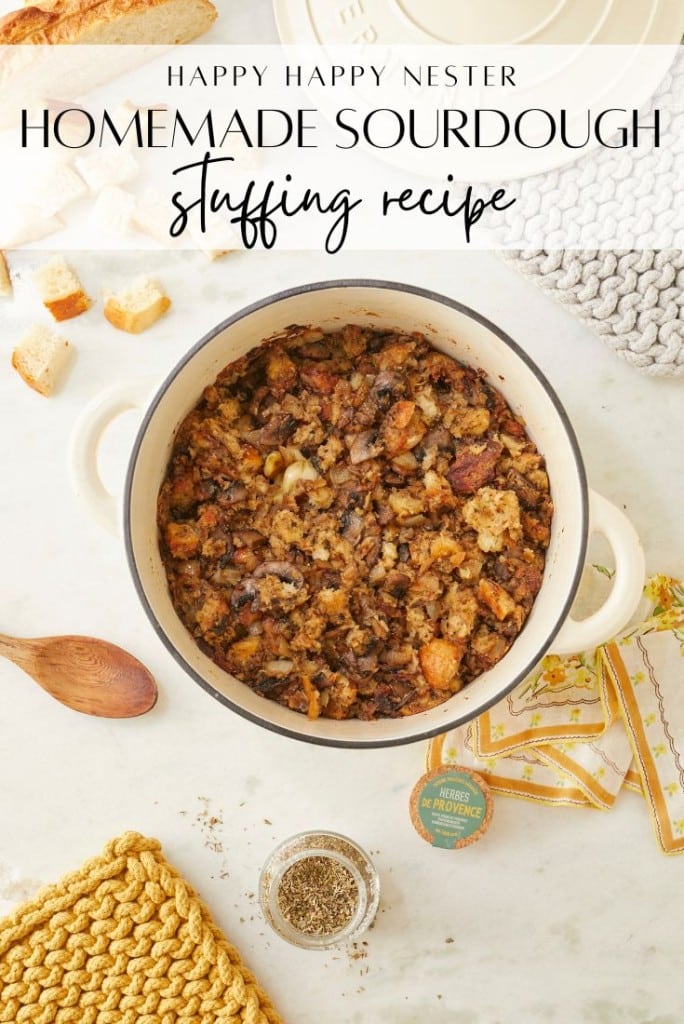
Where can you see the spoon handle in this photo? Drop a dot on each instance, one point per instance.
(18, 651)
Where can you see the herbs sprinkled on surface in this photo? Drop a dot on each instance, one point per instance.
(603, 570)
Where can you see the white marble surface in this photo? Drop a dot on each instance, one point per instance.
(556, 915)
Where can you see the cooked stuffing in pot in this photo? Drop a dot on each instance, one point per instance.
(353, 524)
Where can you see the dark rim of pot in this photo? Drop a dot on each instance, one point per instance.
(316, 286)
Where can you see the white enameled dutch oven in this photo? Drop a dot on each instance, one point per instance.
(461, 333)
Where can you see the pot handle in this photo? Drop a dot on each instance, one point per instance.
(86, 436)
(628, 582)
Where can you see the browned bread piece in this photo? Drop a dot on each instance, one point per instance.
(40, 357)
(108, 21)
(60, 289)
(137, 307)
(5, 283)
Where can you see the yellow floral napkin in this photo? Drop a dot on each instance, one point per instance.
(580, 728)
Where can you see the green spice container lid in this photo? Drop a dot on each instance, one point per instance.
(451, 807)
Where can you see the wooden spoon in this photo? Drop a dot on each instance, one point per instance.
(88, 675)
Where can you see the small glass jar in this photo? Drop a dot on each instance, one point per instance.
(342, 852)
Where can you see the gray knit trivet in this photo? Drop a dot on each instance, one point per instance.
(634, 300)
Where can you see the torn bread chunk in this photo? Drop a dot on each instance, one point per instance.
(245, 158)
(108, 166)
(219, 238)
(58, 189)
(137, 307)
(113, 210)
(5, 282)
(61, 290)
(494, 515)
(25, 223)
(153, 215)
(40, 359)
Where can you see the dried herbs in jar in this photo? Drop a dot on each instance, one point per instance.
(319, 889)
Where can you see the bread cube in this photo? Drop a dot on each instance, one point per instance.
(40, 358)
(25, 223)
(60, 289)
(153, 215)
(109, 166)
(137, 307)
(113, 210)
(58, 189)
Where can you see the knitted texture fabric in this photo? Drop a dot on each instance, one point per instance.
(633, 300)
(124, 940)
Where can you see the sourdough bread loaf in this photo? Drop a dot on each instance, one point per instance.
(93, 22)
(30, 77)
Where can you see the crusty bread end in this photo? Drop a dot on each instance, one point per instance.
(108, 21)
(130, 27)
(69, 307)
(137, 307)
(40, 358)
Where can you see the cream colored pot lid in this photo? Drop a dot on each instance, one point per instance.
(572, 79)
(470, 22)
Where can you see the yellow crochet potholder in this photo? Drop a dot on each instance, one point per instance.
(124, 940)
